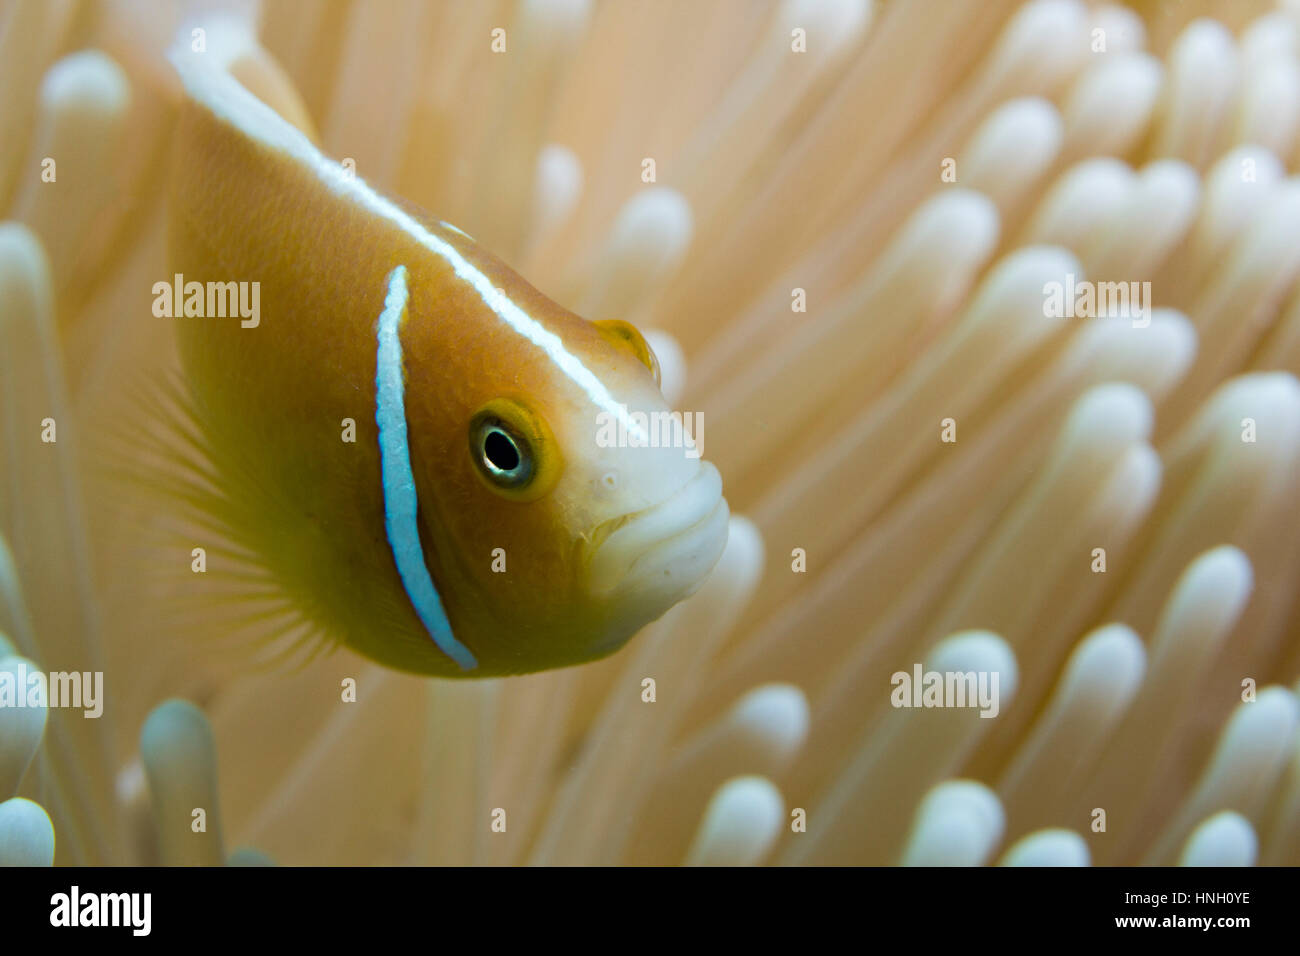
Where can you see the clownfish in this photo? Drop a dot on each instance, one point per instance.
(408, 434)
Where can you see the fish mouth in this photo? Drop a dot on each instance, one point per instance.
(664, 551)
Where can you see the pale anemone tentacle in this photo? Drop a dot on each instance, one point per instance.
(1197, 618)
(761, 733)
(1040, 46)
(1011, 151)
(1079, 206)
(1225, 839)
(1281, 831)
(1232, 201)
(1109, 106)
(26, 834)
(1265, 259)
(543, 33)
(32, 36)
(1202, 76)
(557, 188)
(43, 512)
(179, 758)
(84, 101)
(645, 245)
(998, 329)
(1048, 848)
(928, 267)
(768, 93)
(1215, 493)
(1248, 761)
(941, 504)
(894, 751)
(958, 823)
(682, 640)
(21, 727)
(1151, 222)
(1104, 672)
(740, 824)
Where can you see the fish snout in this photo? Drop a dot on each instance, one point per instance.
(663, 553)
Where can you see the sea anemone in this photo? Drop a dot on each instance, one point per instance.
(839, 222)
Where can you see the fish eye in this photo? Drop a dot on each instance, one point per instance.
(512, 450)
(503, 457)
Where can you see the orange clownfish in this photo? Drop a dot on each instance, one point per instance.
(479, 521)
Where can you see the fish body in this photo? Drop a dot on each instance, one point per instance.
(553, 567)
